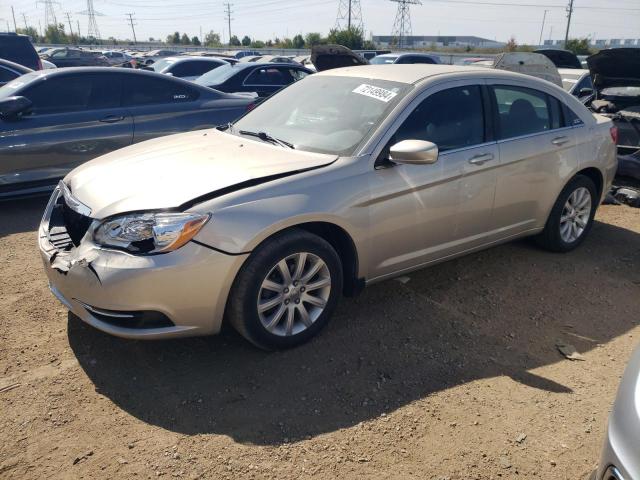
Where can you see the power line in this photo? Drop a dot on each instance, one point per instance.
(402, 23)
(349, 11)
(132, 27)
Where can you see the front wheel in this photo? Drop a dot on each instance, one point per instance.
(286, 291)
(572, 215)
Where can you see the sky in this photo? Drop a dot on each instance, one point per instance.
(264, 19)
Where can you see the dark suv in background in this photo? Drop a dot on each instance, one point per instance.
(18, 49)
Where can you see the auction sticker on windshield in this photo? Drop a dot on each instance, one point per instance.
(375, 92)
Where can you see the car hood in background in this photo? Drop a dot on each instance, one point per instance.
(172, 171)
(326, 57)
(617, 67)
(532, 64)
(561, 58)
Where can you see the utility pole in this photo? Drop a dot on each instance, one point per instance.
(15, 27)
(70, 27)
(132, 27)
(40, 27)
(79, 34)
(569, 14)
(24, 19)
(544, 18)
(228, 12)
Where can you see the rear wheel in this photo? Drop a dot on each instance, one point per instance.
(572, 215)
(286, 291)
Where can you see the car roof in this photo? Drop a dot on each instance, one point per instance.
(244, 65)
(195, 57)
(410, 73)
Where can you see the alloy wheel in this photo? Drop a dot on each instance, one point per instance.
(294, 294)
(575, 215)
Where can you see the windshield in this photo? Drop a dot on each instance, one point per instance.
(9, 89)
(161, 64)
(382, 59)
(217, 75)
(325, 114)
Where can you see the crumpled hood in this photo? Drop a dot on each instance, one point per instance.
(617, 67)
(170, 171)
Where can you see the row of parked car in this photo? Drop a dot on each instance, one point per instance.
(317, 191)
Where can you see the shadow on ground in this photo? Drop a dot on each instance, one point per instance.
(498, 312)
(21, 215)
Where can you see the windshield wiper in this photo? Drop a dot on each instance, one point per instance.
(226, 126)
(265, 137)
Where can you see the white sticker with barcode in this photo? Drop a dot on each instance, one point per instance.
(375, 92)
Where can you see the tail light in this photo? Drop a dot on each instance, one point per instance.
(614, 134)
(251, 106)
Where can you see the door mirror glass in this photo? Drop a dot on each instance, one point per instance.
(12, 107)
(414, 152)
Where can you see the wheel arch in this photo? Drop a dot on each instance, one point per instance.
(595, 175)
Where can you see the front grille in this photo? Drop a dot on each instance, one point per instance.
(75, 223)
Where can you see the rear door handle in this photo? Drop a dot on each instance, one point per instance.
(481, 158)
(559, 141)
(112, 119)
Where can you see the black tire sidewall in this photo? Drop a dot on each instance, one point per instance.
(552, 229)
(243, 311)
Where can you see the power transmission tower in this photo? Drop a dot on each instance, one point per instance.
(569, 14)
(49, 12)
(402, 24)
(228, 12)
(70, 27)
(132, 27)
(349, 12)
(92, 30)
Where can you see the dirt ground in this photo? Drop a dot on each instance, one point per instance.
(452, 375)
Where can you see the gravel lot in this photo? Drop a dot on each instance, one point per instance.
(452, 375)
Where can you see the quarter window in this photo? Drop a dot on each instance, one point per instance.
(522, 111)
(451, 119)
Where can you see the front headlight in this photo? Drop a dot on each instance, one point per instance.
(149, 232)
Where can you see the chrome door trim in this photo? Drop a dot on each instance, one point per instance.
(537, 134)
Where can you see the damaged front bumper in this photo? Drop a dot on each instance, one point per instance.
(177, 294)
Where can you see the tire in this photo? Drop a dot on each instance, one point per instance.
(262, 280)
(554, 237)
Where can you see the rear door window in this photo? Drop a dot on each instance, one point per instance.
(268, 76)
(148, 90)
(192, 68)
(521, 111)
(452, 119)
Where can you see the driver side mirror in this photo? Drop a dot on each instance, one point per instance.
(585, 92)
(12, 107)
(414, 152)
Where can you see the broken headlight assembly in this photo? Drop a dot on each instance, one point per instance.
(148, 233)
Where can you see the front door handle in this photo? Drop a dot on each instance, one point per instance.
(112, 119)
(481, 158)
(559, 141)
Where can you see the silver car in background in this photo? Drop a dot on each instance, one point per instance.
(346, 178)
(620, 459)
